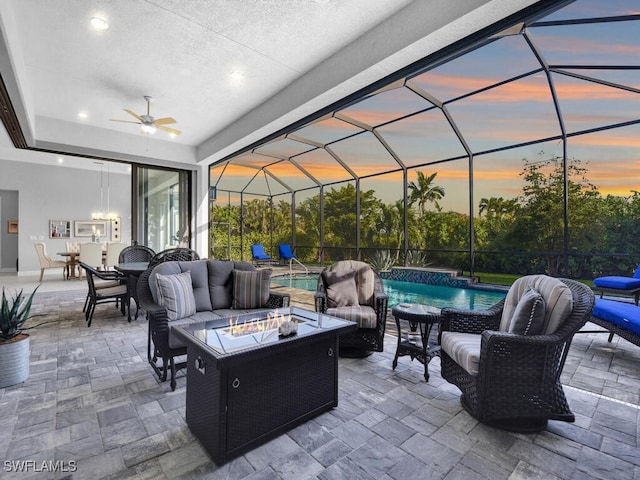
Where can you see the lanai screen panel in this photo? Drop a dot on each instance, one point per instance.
(290, 175)
(308, 219)
(382, 222)
(582, 9)
(499, 175)
(364, 154)
(502, 59)
(513, 113)
(340, 215)
(611, 159)
(423, 138)
(322, 167)
(386, 106)
(602, 44)
(284, 148)
(587, 105)
(327, 130)
(234, 177)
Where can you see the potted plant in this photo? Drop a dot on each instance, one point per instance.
(14, 343)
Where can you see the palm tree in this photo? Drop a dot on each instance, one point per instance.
(423, 191)
(497, 207)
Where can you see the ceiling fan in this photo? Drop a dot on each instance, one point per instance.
(150, 124)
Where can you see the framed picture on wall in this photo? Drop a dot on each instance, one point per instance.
(59, 228)
(89, 228)
(12, 226)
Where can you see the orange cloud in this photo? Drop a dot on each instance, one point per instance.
(622, 141)
(534, 88)
(583, 46)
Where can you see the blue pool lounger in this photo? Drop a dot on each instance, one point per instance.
(618, 318)
(619, 285)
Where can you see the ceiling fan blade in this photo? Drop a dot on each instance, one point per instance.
(133, 114)
(164, 121)
(124, 121)
(169, 129)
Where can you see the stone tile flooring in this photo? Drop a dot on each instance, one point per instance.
(93, 404)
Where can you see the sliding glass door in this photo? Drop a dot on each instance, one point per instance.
(162, 208)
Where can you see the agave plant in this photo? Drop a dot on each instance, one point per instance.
(14, 311)
(416, 258)
(381, 260)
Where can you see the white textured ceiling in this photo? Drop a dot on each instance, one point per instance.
(182, 52)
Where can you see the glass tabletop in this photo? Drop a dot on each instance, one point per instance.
(418, 309)
(244, 332)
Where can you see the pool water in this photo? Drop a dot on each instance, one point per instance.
(409, 292)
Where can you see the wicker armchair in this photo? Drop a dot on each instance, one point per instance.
(135, 253)
(370, 312)
(517, 385)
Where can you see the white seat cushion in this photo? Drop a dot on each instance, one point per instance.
(464, 349)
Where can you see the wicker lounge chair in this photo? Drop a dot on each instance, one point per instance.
(512, 380)
(367, 305)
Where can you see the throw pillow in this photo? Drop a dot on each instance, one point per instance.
(528, 316)
(251, 289)
(341, 288)
(175, 293)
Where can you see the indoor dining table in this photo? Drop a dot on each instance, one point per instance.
(73, 261)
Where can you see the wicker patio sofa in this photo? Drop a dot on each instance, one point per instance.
(221, 289)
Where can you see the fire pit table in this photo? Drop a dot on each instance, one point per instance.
(247, 384)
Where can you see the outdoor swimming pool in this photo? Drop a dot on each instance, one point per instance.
(409, 292)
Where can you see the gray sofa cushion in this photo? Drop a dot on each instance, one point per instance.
(220, 283)
(341, 288)
(199, 280)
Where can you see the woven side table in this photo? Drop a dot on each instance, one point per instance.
(415, 340)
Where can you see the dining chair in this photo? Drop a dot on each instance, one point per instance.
(113, 254)
(72, 263)
(116, 293)
(46, 261)
(90, 254)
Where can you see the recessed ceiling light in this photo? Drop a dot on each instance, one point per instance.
(60, 160)
(237, 74)
(99, 23)
(83, 115)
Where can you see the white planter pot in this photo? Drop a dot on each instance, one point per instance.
(14, 362)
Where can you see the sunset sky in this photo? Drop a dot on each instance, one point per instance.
(418, 132)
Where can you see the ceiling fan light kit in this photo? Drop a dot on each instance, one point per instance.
(149, 124)
(149, 128)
